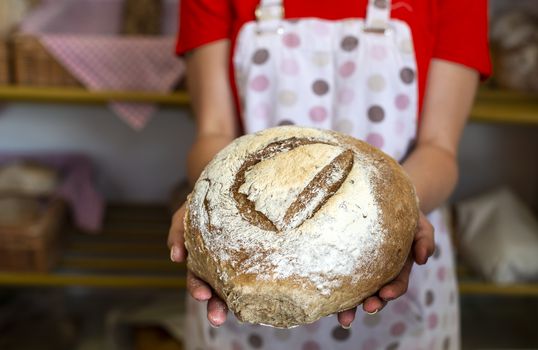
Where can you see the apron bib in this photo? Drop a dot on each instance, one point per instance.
(358, 77)
(355, 76)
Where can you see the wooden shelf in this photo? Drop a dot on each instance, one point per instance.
(483, 288)
(63, 280)
(510, 107)
(130, 252)
(470, 284)
(82, 96)
(491, 105)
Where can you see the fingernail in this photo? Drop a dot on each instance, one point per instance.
(373, 313)
(346, 327)
(174, 254)
(211, 319)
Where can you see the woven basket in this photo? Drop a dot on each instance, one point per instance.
(4, 62)
(34, 66)
(142, 17)
(34, 246)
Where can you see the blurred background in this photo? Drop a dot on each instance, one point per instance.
(94, 130)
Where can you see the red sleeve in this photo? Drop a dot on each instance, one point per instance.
(462, 34)
(202, 22)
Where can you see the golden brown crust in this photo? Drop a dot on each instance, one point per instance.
(295, 300)
(398, 201)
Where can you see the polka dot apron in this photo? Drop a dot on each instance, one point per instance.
(358, 77)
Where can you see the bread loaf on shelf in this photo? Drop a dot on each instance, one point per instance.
(28, 178)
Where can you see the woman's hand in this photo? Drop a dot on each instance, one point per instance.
(199, 290)
(423, 247)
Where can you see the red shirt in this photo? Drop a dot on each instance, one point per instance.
(452, 30)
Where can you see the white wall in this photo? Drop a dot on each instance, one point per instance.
(498, 154)
(144, 166)
(131, 166)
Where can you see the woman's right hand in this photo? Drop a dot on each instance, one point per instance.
(198, 289)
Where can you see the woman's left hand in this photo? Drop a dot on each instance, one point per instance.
(423, 247)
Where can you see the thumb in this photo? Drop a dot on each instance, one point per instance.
(176, 240)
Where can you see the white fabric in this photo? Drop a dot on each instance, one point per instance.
(499, 237)
(361, 70)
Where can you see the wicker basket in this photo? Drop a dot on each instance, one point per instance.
(34, 66)
(4, 62)
(34, 246)
(142, 17)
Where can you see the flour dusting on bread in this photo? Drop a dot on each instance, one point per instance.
(326, 222)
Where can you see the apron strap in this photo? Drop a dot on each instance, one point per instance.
(269, 14)
(270, 10)
(378, 16)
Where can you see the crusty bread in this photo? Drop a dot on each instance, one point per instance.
(292, 224)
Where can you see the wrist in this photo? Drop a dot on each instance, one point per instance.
(204, 148)
(434, 172)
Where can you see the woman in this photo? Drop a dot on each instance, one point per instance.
(400, 75)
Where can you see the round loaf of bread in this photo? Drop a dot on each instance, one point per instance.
(292, 224)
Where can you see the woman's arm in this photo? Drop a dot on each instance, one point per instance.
(212, 103)
(216, 127)
(432, 165)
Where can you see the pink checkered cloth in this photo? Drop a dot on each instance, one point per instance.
(83, 36)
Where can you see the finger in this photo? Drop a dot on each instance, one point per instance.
(398, 286)
(424, 244)
(216, 311)
(198, 288)
(176, 241)
(373, 304)
(346, 317)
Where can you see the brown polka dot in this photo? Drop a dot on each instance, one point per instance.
(349, 43)
(260, 56)
(446, 343)
(255, 341)
(376, 114)
(393, 346)
(286, 122)
(320, 87)
(407, 75)
(429, 298)
(382, 4)
(340, 333)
